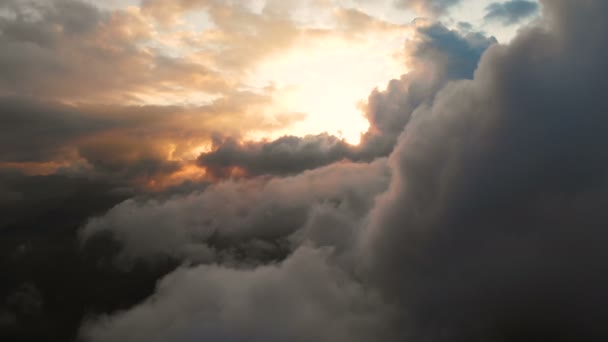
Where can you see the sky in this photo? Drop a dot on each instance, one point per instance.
(303, 170)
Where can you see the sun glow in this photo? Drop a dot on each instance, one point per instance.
(327, 80)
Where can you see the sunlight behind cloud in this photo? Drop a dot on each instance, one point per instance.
(327, 80)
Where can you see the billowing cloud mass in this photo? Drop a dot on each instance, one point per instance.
(148, 204)
(492, 228)
(511, 12)
(258, 218)
(305, 298)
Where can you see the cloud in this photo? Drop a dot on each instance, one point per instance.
(436, 56)
(510, 12)
(38, 222)
(137, 143)
(491, 227)
(245, 226)
(286, 155)
(427, 7)
(485, 223)
(253, 218)
(492, 223)
(46, 57)
(305, 298)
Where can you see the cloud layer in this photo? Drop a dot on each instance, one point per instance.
(472, 210)
(491, 227)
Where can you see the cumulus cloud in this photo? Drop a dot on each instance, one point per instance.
(436, 55)
(251, 219)
(286, 155)
(491, 227)
(305, 298)
(511, 12)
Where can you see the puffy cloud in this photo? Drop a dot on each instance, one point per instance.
(139, 143)
(305, 298)
(250, 223)
(251, 219)
(286, 155)
(436, 55)
(511, 12)
(492, 228)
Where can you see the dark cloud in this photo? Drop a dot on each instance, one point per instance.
(37, 131)
(48, 282)
(492, 228)
(286, 155)
(511, 12)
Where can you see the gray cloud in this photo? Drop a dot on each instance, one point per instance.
(492, 228)
(511, 12)
(306, 298)
(136, 143)
(436, 55)
(286, 155)
(38, 131)
(257, 216)
(242, 225)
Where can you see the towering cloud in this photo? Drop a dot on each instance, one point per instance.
(436, 55)
(492, 228)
